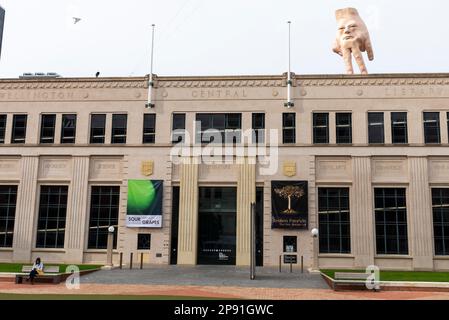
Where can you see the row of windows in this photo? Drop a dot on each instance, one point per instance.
(51, 223)
(390, 220)
(333, 211)
(227, 126)
(68, 128)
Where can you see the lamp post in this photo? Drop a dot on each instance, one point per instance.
(110, 246)
(315, 234)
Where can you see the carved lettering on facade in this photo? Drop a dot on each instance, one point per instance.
(29, 95)
(51, 168)
(390, 170)
(331, 170)
(439, 170)
(414, 91)
(219, 94)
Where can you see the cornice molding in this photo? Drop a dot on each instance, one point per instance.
(220, 84)
(226, 82)
(371, 82)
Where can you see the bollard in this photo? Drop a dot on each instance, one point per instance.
(280, 264)
(291, 267)
(141, 260)
(302, 264)
(131, 261)
(121, 260)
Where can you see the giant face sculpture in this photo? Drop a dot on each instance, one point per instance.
(352, 39)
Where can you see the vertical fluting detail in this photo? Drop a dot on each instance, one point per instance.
(26, 209)
(420, 214)
(246, 194)
(77, 207)
(188, 213)
(362, 213)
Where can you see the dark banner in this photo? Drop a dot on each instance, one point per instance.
(289, 203)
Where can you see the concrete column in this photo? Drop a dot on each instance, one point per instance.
(332, 128)
(420, 215)
(26, 210)
(188, 213)
(77, 210)
(362, 213)
(246, 194)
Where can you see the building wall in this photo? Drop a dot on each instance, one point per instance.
(360, 167)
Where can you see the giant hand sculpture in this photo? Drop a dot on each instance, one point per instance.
(352, 39)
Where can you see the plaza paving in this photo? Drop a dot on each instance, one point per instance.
(210, 282)
(208, 276)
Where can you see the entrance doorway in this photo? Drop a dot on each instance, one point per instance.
(217, 218)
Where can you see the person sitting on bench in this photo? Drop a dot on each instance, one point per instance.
(38, 269)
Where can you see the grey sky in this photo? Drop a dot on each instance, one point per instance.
(212, 37)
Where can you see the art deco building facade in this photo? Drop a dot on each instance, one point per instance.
(370, 152)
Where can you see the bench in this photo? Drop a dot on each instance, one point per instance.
(350, 280)
(51, 275)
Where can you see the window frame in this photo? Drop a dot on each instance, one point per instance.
(442, 224)
(318, 128)
(92, 137)
(377, 124)
(258, 131)
(122, 128)
(60, 209)
(438, 127)
(64, 138)
(404, 127)
(345, 245)
(4, 121)
(14, 139)
(180, 136)
(339, 137)
(7, 221)
(47, 137)
(97, 229)
(236, 131)
(405, 225)
(149, 133)
(288, 128)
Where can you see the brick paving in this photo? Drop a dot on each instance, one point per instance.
(212, 282)
(218, 292)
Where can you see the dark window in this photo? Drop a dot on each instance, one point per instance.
(440, 205)
(376, 132)
(227, 126)
(149, 128)
(179, 127)
(8, 201)
(104, 209)
(48, 122)
(334, 220)
(290, 244)
(321, 128)
(289, 128)
(19, 128)
(447, 123)
(399, 127)
(432, 127)
(344, 127)
(143, 241)
(258, 126)
(97, 128)
(2, 127)
(52, 217)
(391, 221)
(68, 129)
(119, 128)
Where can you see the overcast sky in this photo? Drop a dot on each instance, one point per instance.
(215, 37)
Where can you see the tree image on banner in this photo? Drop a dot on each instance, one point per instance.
(289, 192)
